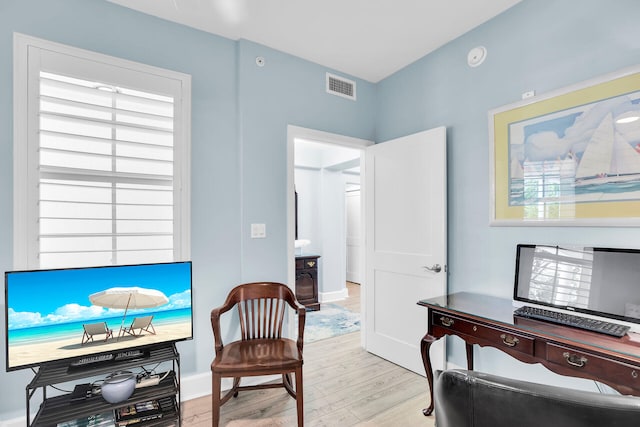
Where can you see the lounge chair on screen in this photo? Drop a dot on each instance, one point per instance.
(139, 325)
(92, 329)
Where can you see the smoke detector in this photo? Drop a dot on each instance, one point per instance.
(476, 56)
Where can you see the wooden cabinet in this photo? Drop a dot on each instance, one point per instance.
(307, 281)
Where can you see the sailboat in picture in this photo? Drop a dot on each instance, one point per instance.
(608, 158)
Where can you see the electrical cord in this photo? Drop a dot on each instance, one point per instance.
(165, 375)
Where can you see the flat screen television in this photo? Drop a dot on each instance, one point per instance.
(90, 314)
(603, 282)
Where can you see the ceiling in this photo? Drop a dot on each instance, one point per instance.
(368, 39)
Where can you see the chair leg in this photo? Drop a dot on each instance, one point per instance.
(288, 384)
(299, 394)
(236, 384)
(233, 392)
(215, 399)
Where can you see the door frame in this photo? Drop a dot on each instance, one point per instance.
(294, 132)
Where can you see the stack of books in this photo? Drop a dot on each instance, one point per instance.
(128, 415)
(106, 419)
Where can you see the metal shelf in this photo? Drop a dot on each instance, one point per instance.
(61, 408)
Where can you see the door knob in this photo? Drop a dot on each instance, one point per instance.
(436, 268)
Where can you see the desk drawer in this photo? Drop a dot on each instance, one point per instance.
(592, 364)
(498, 338)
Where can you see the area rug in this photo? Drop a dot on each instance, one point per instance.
(330, 321)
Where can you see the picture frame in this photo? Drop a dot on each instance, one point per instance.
(570, 157)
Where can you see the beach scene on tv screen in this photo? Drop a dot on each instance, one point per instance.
(62, 314)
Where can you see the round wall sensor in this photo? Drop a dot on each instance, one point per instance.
(476, 56)
(260, 61)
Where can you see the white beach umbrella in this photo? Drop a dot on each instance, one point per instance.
(131, 297)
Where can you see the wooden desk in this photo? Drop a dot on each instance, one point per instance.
(488, 321)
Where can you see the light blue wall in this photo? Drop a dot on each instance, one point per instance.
(240, 115)
(272, 97)
(539, 45)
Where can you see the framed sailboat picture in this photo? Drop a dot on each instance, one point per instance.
(571, 157)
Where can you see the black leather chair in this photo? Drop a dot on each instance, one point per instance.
(469, 398)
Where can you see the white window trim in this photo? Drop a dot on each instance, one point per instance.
(25, 133)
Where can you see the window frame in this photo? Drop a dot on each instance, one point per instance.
(25, 145)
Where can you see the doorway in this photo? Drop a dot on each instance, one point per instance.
(323, 169)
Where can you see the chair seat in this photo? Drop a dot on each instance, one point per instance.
(257, 356)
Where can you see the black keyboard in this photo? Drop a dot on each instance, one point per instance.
(566, 319)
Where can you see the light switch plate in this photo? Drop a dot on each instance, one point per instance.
(258, 231)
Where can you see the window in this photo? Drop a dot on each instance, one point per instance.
(101, 159)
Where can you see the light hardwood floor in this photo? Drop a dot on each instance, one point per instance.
(343, 386)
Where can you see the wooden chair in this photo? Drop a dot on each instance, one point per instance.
(141, 324)
(261, 350)
(91, 329)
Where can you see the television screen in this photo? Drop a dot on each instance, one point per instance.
(75, 313)
(597, 281)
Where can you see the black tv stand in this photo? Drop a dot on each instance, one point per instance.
(57, 409)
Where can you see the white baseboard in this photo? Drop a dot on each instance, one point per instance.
(196, 385)
(334, 296)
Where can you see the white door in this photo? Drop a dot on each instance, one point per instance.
(406, 230)
(354, 236)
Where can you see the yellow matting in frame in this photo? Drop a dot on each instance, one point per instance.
(501, 121)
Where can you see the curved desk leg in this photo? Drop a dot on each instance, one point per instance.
(425, 345)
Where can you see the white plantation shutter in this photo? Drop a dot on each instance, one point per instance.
(108, 153)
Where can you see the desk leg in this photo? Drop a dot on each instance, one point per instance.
(469, 356)
(425, 345)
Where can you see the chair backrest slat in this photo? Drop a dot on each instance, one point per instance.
(279, 318)
(267, 317)
(241, 310)
(272, 325)
(261, 318)
(261, 308)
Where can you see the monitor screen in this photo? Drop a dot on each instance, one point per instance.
(62, 314)
(599, 281)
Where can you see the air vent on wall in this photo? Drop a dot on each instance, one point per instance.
(341, 86)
